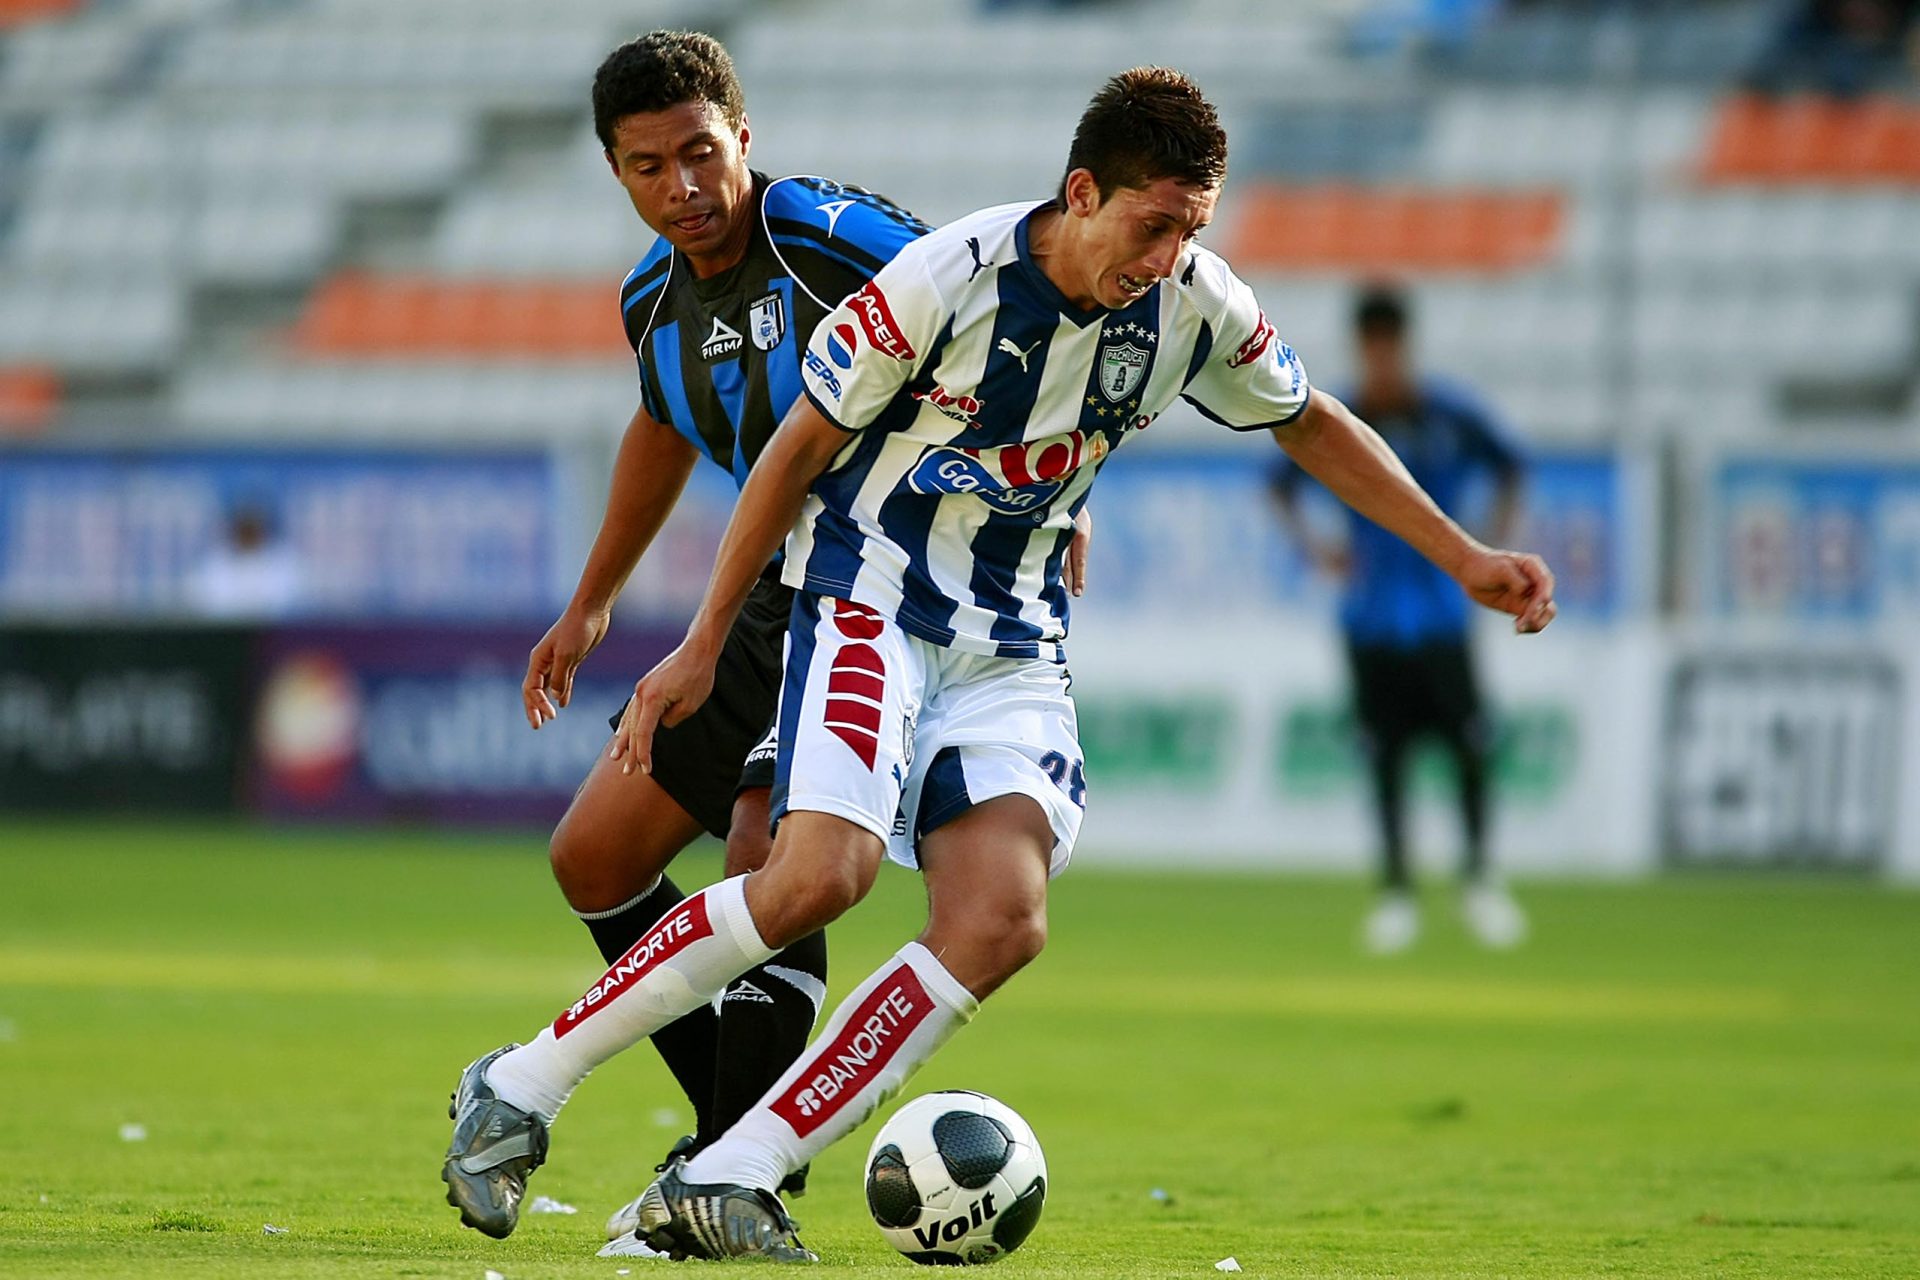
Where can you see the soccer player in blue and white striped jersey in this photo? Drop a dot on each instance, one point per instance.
(958, 409)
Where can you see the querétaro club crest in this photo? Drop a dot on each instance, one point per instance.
(1121, 367)
(767, 322)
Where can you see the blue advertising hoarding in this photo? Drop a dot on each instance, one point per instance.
(1817, 539)
(356, 533)
(1182, 531)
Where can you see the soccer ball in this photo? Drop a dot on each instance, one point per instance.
(955, 1178)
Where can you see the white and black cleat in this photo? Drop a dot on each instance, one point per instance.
(495, 1147)
(626, 1219)
(717, 1220)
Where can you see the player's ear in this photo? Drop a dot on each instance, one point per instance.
(612, 163)
(746, 137)
(1083, 193)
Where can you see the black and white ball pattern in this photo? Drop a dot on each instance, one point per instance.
(956, 1178)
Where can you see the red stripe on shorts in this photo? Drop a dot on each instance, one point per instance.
(848, 715)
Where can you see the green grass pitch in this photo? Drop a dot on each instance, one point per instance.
(1692, 1077)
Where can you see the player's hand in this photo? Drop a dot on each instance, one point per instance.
(1521, 585)
(550, 667)
(1074, 571)
(668, 694)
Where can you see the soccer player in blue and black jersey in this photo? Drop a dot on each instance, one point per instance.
(718, 313)
(1407, 626)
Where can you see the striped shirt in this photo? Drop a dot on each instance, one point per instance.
(720, 358)
(981, 404)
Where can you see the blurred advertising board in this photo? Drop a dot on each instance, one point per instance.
(1816, 539)
(1233, 743)
(362, 533)
(97, 720)
(1179, 531)
(1783, 756)
(425, 723)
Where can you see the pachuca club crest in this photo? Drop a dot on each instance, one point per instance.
(1121, 368)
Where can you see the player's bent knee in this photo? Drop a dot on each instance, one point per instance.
(1021, 939)
(819, 868)
(590, 879)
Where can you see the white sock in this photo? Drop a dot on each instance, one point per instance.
(681, 963)
(876, 1039)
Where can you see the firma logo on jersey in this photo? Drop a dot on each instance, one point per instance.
(724, 341)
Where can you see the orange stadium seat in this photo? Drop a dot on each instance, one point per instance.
(1813, 140)
(359, 315)
(29, 398)
(17, 13)
(1349, 228)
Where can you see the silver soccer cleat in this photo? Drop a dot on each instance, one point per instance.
(495, 1147)
(717, 1220)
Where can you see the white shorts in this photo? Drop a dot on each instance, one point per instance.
(901, 736)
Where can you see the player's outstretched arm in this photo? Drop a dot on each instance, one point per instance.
(648, 474)
(1349, 457)
(769, 505)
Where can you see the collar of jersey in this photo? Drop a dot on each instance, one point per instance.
(1047, 289)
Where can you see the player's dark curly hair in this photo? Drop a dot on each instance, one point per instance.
(1146, 124)
(663, 69)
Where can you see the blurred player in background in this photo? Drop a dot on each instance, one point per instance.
(958, 408)
(717, 313)
(1407, 626)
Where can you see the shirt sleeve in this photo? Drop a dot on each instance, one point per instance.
(1250, 378)
(861, 356)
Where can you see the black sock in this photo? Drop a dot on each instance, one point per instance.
(766, 1019)
(1389, 757)
(689, 1044)
(1471, 756)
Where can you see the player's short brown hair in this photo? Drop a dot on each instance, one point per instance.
(1146, 124)
(663, 69)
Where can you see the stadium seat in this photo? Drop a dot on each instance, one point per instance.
(416, 317)
(29, 398)
(1814, 140)
(91, 322)
(1394, 229)
(18, 13)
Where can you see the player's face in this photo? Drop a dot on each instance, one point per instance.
(685, 169)
(1133, 238)
(1383, 361)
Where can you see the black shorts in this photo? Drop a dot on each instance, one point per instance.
(1400, 693)
(728, 744)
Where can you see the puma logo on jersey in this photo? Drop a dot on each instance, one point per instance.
(1006, 345)
(723, 341)
(973, 247)
(833, 209)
